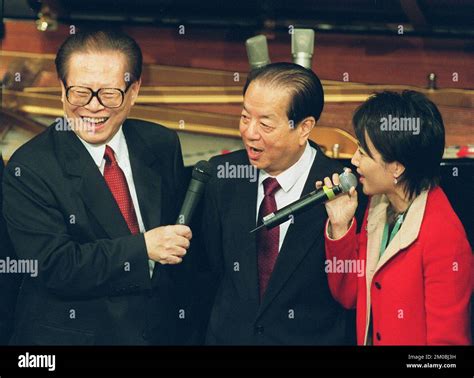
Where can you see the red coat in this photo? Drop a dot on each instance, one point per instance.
(421, 287)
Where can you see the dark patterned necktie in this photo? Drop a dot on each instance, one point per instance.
(267, 240)
(117, 184)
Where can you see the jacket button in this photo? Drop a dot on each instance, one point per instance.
(378, 286)
(378, 336)
(259, 329)
(145, 335)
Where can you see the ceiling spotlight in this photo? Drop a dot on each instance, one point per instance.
(47, 20)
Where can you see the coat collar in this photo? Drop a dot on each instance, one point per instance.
(408, 233)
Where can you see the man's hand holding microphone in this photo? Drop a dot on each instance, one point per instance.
(168, 244)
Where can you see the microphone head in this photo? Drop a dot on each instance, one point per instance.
(347, 180)
(257, 51)
(302, 47)
(202, 171)
(302, 40)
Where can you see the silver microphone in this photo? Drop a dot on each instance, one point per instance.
(302, 47)
(319, 196)
(257, 51)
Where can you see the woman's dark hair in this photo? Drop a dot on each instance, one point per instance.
(100, 41)
(404, 127)
(307, 95)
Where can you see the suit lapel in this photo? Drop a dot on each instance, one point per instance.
(94, 191)
(146, 179)
(298, 240)
(90, 184)
(244, 212)
(147, 182)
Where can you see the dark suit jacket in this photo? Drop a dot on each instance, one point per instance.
(93, 285)
(9, 282)
(297, 307)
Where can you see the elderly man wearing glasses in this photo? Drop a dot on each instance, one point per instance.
(88, 202)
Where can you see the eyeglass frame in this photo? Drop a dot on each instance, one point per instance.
(96, 94)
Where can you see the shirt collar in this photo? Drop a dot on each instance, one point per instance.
(97, 150)
(288, 178)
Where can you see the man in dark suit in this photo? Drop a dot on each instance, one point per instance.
(271, 285)
(9, 282)
(88, 198)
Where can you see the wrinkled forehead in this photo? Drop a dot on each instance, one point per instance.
(96, 69)
(267, 97)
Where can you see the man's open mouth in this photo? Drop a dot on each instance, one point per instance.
(96, 121)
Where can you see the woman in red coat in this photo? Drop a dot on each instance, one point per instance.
(415, 283)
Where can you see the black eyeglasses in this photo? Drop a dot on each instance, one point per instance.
(108, 97)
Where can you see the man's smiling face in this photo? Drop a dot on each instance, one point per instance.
(95, 123)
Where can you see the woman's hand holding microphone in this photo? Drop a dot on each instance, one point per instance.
(341, 209)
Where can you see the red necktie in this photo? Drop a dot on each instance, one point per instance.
(267, 240)
(117, 184)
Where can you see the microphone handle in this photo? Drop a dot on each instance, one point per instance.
(193, 195)
(303, 59)
(282, 215)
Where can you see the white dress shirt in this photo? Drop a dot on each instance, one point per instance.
(292, 183)
(119, 145)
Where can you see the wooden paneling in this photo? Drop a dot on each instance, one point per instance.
(371, 59)
(200, 59)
